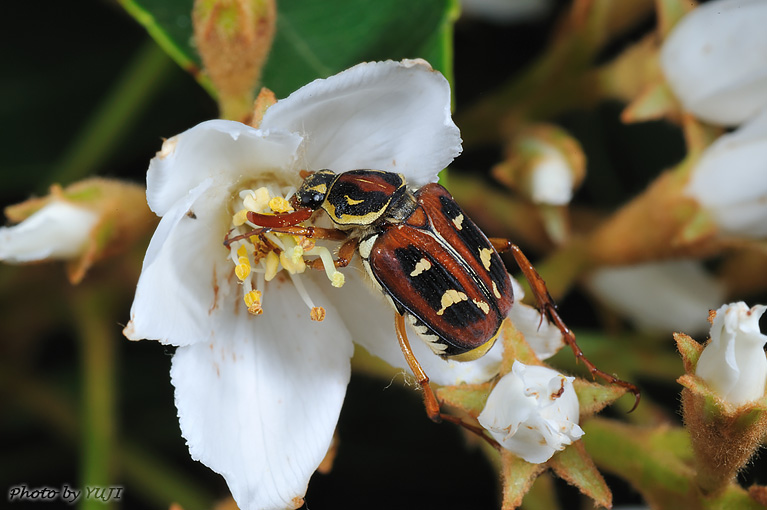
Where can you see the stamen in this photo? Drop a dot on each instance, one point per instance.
(240, 217)
(253, 302)
(257, 200)
(317, 314)
(336, 277)
(242, 270)
(280, 205)
(272, 264)
(301, 290)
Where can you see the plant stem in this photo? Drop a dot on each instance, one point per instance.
(116, 115)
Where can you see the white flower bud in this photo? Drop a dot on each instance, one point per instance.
(734, 363)
(730, 180)
(59, 230)
(533, 412)
(714, 60)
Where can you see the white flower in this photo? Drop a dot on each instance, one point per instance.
(714, 60)
(551, 180)
(543, 337)
(259, 385)
(533, 412)
(59, 230)
(734, 363)
(730, 180)
(660, 296)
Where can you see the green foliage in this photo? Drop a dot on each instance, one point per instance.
(316, 39)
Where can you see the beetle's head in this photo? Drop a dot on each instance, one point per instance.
(315, 187)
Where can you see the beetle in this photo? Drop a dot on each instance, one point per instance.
(435, 266)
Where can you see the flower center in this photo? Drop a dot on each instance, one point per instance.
(259, 257)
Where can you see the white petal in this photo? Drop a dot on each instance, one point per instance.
(544, 337)
(533, 412)
(392, 116)
(730, 181)
(260, 403)
(552, 180)
(59, 230)
(225, 151)
(714, 60)
(185, 291)
(662, 296)
(370, 319)
(733, 363)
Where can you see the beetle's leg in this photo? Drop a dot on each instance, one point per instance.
(547, 306)
(429, 399)
(312, 232)
(280, 219)
(345, 254)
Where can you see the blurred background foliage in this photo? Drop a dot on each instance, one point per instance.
(86, 91)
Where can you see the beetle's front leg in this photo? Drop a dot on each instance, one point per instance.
(548, 307)
(332, 234)
(345, 255)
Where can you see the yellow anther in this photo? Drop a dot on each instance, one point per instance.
(296, 254)
(257, 200)
(272, 265)
(253, 302)
(292, 266)
(338, 279)
(317, 314)
(280, 205)
(240, 217)
(242, 270)
(242, 251)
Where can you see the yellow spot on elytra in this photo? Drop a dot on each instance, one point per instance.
(451, 297)
(317, 314)
(458, 221)
(485, 255)
(495, 291)
(420, 267)
(351, 201)
(280, 205)
(482, 306)
(253, 302)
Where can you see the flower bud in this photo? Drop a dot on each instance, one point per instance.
(85, 222)
(545, 164)
(733, 363)
(730, 182)
(533, 412)
(234, 38)
(713, 60)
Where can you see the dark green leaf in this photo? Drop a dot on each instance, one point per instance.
(318, 38)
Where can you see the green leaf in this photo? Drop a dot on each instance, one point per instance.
(655, 461)
(518, 476)
(575, 466)
(316, 39)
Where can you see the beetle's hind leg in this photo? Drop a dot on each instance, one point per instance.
(549, 308)
(429, 398)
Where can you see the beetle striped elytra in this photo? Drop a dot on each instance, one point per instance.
(426, 256)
